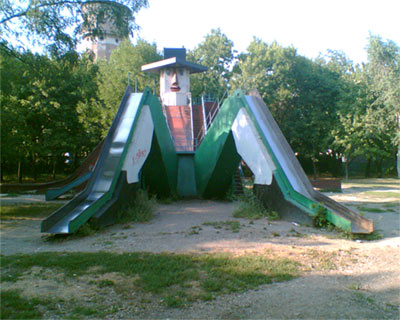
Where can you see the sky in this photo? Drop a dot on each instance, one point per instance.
(311, 26)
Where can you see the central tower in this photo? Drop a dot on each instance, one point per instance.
(176, 99)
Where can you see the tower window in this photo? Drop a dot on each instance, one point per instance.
(117, 40)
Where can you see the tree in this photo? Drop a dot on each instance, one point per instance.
(348, 129)
(41, 105)
(383, 76)
(215, 52)
(125, 65)
(300, 93)
(56, 25)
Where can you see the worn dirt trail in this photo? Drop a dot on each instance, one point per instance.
(341, 279)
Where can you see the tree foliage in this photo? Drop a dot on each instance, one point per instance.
(56, 25)
(125, 63)
(383, 78)
(44, 108)
(215, 52)
(300, 93)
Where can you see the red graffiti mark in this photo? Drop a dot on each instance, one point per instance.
(138, 155)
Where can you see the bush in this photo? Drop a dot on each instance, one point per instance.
(250, 207)
(320, 219)
(141, 209)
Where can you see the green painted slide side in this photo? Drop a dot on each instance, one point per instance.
(167, 149)
(213, 159)
(169, 157)
(91, 210)
(52, 194)
(210, 162)
(306, 204)
(186, 176)
(75, 213)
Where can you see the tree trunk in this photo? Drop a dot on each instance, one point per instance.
(398, 145)
(346, 170)
(379, 168)
(54, 168)
(34, 168)
(315, 172)
(368, 168)
(19, 172)
(398, 161)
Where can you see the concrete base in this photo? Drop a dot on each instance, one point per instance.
(272, 198)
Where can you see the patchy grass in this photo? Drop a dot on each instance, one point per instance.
(383, 194)
(392, 207)
(233, 226)
(369, 209)
(140, 210)
(174, 280)
(13, 306)
(376, 235)
(251, 208)
(28, 211)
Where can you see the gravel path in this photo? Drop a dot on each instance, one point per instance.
(362, 282)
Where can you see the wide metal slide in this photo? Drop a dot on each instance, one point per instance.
(105, 177)
(294, 183)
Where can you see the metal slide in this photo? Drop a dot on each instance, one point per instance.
(52, 194)
(106, 173)
(302, 190)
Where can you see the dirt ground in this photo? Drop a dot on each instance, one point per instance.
(343, 279)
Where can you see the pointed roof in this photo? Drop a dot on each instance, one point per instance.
(174, 58)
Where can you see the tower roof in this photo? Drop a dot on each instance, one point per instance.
(175, 58)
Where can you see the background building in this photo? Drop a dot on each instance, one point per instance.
(106, 25)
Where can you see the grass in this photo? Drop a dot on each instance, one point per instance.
(141, 209)
(233, 226)
(391, 205)
(251, 208)
(13, 306)
(174, 279)
(373, 210)
(376, 235)
(383, 194)
(320, 219)
(28, 211)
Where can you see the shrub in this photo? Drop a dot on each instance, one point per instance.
(250, 207)
(141, 209)
(320, 219)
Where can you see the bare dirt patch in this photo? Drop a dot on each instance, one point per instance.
(340, 278)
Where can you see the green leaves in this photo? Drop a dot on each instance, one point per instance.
(57, 25)
(40, 114)
(215, 52)
(125, 61)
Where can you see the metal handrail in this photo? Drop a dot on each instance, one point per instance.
(209, 118)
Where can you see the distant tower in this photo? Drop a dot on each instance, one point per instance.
(107, 26)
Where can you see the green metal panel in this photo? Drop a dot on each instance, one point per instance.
(208, 154)
(222, 178)
(186, 176)
(211, 161)
(52, 194)
(91, 210)
(167, 149)
(154, 174)
(88, 213)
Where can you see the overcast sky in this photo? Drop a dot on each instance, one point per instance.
(311, 26)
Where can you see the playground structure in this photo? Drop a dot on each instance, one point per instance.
(153, 144)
